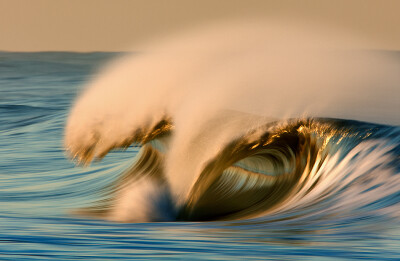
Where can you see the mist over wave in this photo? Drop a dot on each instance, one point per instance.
(241, 121)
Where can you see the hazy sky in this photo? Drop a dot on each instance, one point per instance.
(115, 25)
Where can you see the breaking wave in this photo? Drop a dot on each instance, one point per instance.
(242, 122)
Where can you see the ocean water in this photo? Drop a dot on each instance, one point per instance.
(343, 204)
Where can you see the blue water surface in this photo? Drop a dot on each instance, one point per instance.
(40, 187)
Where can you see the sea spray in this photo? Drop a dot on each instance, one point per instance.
(208, 88)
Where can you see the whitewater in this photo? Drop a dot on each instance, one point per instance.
(234, 108)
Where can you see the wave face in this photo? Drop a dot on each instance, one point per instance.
(325, 168)
(243, 122)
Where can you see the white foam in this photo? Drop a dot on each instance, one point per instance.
(269, 68)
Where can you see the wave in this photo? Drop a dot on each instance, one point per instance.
(275, 168)
(241, 121)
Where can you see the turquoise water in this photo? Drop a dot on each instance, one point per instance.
(40, 187)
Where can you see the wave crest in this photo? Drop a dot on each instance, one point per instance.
(225, 118)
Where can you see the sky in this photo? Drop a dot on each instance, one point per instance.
(120, 25)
